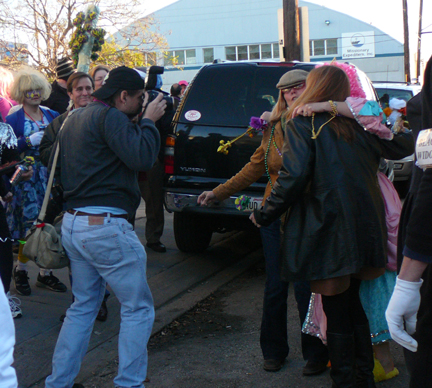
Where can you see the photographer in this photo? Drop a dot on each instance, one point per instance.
(101, 151)
(152, 185)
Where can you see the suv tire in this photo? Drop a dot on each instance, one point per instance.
(191, 232)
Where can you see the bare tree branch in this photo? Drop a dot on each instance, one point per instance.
(45, 26)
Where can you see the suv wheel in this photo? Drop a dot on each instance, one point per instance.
(191, 232)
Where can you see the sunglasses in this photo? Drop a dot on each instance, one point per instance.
(33, 93)
(297, 87)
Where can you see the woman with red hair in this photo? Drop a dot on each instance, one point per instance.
(334, 232)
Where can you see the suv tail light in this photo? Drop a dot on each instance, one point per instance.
(169, 154)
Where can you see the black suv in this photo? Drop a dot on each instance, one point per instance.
(218, 105)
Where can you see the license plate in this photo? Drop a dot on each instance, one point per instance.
(248, 204)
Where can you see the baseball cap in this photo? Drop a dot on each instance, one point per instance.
(185, 83)
(292, 78)
(120, 78)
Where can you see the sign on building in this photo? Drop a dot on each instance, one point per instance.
(358, 45)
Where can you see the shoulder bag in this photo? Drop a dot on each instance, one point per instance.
(43, 241)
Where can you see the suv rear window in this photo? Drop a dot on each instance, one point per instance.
(386, 94)
(241, 91)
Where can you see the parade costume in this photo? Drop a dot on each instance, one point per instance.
(28, 197)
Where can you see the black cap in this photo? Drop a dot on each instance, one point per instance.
(120, 78)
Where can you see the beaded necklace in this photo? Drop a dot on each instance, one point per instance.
(271, 141)
(36, 121)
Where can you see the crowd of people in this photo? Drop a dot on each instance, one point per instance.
(324, 221)
(324, 225)
(123, 140)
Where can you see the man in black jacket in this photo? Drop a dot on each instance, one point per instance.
(79, 87)
(101, 151)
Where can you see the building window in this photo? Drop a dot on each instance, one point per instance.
(266, 51)
(331, 46)
(323, 47)
(275, 50)
(231, 53)
(180, 57)
(190, 57)
(252, 52)
(242, 53)
(208, 55)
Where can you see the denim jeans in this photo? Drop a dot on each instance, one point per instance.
(110, 252)
(274, 338)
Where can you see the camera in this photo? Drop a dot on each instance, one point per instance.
(151, 86)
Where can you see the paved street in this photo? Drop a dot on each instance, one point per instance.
(214, 344)
(178, 281)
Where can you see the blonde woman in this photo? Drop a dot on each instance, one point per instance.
(30, 87)
(98, 73)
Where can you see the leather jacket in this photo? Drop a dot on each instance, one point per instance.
(336, 220)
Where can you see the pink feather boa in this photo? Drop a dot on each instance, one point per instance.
(351, 72)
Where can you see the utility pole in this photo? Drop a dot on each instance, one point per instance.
(419, 42)
(406, 41)
(291, 30)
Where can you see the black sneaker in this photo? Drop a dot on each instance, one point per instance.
(50, 282)
(22, 285)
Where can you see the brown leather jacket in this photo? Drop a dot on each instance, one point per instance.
(255, 169)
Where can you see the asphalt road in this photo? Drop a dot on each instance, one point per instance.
(216, 345)
(178, 282)
(206, 334)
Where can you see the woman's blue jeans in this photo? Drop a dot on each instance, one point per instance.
(274, 337)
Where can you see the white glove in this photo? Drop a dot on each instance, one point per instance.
(36, 138)
(403, 306)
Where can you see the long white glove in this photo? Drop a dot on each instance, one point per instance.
(36, 138)
(403, 307)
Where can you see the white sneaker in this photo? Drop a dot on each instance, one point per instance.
(14, 304)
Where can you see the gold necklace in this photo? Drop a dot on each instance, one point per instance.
(315, 135)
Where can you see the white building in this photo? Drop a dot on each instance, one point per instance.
(199, 32)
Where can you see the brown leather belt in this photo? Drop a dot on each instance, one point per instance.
(78, 213)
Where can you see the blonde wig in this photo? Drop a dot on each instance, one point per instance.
(28, 79)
